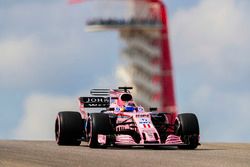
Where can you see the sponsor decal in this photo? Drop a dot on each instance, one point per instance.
(140, 109)
(117, 109)
(95, 102)
(144, 121)
(122, 116)
(142, 115)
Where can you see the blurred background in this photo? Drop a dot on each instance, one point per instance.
(47, 60)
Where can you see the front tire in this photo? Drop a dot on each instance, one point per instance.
(187, 127)
(99, 124)
(68, 128)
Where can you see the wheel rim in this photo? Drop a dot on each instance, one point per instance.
(90, 132)
(177, 127)
(57, 131)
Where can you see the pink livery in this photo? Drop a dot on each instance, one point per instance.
(122, 122)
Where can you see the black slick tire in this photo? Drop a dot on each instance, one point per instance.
(99, 124)
(68, 128)
(187, 127)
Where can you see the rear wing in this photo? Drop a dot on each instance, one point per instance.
(106, 92)
(100, 92)
(95, 102)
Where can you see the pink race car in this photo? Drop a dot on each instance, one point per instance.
(124, 123)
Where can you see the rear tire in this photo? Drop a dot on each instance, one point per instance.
(68, 128)
(99, 124)
(187, 127)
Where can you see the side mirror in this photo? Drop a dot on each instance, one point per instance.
(111, 109)
(152, 109)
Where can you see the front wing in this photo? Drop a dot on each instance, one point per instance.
(126, 140)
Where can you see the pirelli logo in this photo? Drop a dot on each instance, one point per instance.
(95, 102)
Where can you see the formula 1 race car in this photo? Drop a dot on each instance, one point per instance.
(123, 123)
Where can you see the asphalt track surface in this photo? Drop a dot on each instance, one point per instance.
(47, 153)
